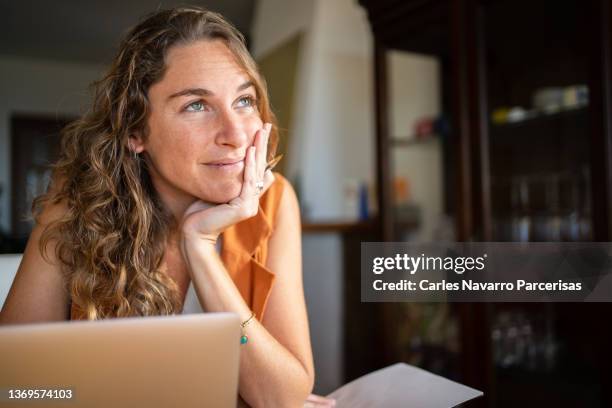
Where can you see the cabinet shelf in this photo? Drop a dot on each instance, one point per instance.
(413, 140)
(338, 226)
(542, 118)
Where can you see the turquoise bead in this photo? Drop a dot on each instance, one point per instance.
(244, 339)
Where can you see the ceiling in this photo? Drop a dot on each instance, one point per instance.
(89, 31)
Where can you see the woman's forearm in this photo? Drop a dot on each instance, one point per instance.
(270, 375)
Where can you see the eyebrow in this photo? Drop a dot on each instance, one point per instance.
(206, 92)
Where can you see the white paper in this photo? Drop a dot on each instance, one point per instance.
(402, 385)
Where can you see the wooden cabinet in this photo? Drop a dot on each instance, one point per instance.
(526, 90)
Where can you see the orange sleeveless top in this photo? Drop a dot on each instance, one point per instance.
(245, 251)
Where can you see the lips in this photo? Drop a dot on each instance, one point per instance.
(226, 166)
(225, 162)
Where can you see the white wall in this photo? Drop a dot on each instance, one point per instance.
(37, 87)
(9, 263)
(332, 135)
(276, 21)
(336, 126)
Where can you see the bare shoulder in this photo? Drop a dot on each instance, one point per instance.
(288, 210)
(286, 239)
(38, 291)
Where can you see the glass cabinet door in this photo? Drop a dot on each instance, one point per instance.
(418, 134)
(537, 70)
(537, 97)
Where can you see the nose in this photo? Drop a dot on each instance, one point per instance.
(232, 130)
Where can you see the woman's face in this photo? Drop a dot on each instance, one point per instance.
(203, 118)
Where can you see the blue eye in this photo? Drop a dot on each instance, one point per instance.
(246, 102)
(195, 107)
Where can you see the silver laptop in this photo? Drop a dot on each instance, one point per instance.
(177, 361)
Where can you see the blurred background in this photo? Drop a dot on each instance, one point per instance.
(412, 120)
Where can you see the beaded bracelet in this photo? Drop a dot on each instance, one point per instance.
(244, 338)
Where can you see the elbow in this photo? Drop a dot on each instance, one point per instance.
(310, 383)
(297, 398)
(306, 389)
(294, 395)
(301, 391)
(305, 386)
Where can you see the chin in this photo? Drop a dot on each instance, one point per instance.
(224, 193)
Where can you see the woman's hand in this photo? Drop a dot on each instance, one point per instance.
(203, 221)
(317, 401)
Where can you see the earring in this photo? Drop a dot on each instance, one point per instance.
(136, 158)
(133, 150)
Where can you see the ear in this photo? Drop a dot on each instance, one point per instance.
(136, 143)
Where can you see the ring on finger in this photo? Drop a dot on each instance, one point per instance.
(259, 187)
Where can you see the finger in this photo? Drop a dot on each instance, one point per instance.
(262, 149)
(250, 178)
(268, 180)
(260, 135)
(198, 205)
(312, 404)
(321, 400)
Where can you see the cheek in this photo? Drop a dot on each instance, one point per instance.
(252, 126)
(175, 137)
(175, 151)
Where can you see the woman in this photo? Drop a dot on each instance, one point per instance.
(168, 168)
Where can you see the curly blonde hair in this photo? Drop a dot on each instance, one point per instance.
(111, 239)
